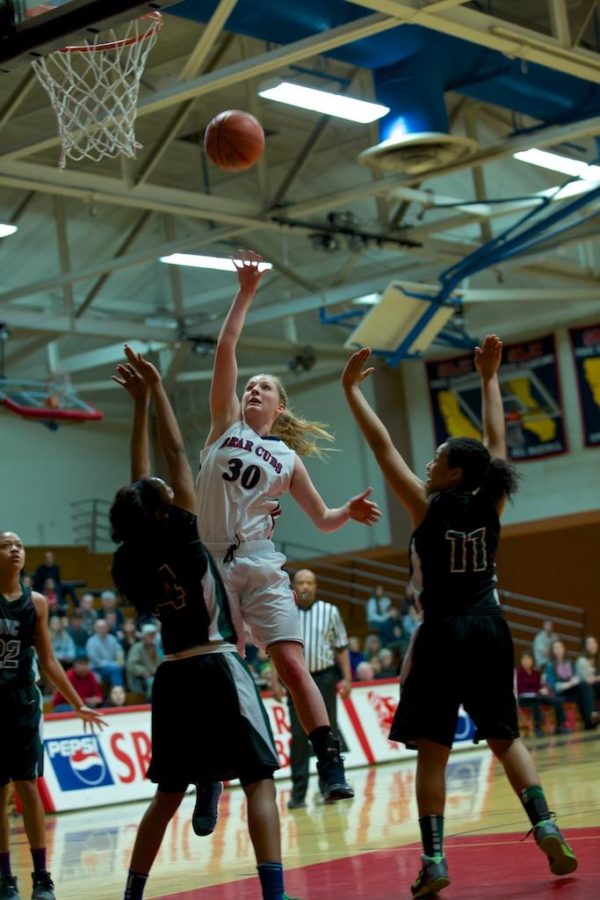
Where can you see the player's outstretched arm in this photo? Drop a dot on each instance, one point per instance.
(224, 402)
(326, 518)
(403, 481)
(487, 362)
(138, 390)
(169, 433)
(54, 671)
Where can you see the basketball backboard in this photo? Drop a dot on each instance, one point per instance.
(29, 28)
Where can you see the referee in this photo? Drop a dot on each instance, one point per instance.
(325, 644)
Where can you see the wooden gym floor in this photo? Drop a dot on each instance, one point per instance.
(365, 848)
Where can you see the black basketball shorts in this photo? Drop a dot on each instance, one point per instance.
(468, 660)
(208, 723)
(21, 748)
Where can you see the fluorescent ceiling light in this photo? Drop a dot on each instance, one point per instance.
(5, 230)
(368, 300)
(574, 167)
(222, 263)
(325, 102)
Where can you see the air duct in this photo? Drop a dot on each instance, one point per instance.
(414, 135)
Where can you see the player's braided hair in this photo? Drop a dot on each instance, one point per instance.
(480, 470)
(302, 435)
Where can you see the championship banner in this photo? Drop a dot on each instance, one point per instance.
(586, 353)
(530, 387)
(83, 770)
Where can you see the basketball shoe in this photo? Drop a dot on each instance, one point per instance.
(551, 842)
(332, 780)
(43, 886)
(8, 888)
(206, 808)
(432, 878)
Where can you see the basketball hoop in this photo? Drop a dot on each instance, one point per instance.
(93, 88)
(58, 388)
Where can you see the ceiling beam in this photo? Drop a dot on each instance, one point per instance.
(492, 32)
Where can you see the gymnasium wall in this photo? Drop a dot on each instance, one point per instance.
(44, 472)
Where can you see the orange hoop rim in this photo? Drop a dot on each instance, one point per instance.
(155, 16)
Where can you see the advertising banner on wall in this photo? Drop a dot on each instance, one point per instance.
(586, 352)
(530, 386)
(82, 770)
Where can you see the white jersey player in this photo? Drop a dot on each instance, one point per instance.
(252, 457)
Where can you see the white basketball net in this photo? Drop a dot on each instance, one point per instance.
(94, 90)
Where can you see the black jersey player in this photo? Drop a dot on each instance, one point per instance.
(208, 723)
(462, 652)
(23, 633)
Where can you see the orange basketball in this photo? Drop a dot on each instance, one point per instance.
(234, 140)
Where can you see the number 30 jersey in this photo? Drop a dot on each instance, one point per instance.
(453, 555)
(242, 475)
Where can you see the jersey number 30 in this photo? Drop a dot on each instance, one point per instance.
(467, 550)
(250, 476)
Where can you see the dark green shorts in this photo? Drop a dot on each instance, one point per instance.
(21, 748)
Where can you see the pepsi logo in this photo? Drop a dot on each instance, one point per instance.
(89, 767)
(78, 762)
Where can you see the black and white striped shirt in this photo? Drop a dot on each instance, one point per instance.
(323, 632)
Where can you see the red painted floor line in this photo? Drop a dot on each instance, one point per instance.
(494, 867)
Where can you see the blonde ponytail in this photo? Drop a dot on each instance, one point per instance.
(303, 436)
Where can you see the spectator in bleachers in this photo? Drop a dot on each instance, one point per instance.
(531, 694)
(143, 661)
(108, 603)
(411, 620)
(86, 608)
(113, 624)
(364, 672)
(392, 632)
(53, 598)
(130, 636)
(560, 676)
(62, 642)
(587, 665)
(356, 654)
(116, 698)
(375, 664)
(77, 631)
(542, 643)
(372, 646)
(85, 683)
(378, 606)
(388, 666)
(105, 654)
(47, 569)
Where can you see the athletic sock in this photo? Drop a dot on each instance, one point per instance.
(271, 880)
(325, 744)
(134, 889)
(38, 856)
(432, 836)
(535, 805)
(5, 868)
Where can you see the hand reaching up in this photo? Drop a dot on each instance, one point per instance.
(137, 375)
(249, 275)
(489, 356)
(354, 373)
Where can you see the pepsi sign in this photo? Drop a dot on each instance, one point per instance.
(78, 762)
